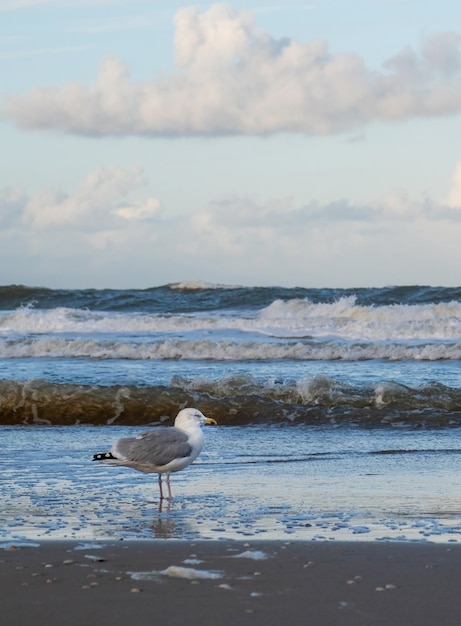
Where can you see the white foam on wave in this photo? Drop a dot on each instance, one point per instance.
(297, 329)
(13, 545)
(345, 319)
(67, 320)
(221, 350)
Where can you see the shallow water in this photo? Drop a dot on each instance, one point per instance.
(298, 482)
(145, 373)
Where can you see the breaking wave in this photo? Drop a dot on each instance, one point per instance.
(88, 347)
(233, 400)
(343, 320)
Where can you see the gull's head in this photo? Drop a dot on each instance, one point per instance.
(191, 418)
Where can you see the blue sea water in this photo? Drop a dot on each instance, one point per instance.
(339, 411)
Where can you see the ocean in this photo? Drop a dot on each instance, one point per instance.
(338, 410)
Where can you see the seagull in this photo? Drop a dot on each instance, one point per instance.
(161, 450)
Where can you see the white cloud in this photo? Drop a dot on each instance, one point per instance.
(257, 216)
(101, 198)
(147, 210)
(379, 243)
(102, 203)
(107, 239)
(233, 78)
(12, 201)
(454, 197)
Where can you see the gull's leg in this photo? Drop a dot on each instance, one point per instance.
(170, 495)
(160, 486)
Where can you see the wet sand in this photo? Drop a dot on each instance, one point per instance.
(231, 582)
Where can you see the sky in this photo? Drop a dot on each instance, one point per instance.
(312, 144)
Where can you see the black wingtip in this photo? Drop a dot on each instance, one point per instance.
(102, 456)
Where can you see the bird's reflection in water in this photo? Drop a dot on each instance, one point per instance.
(173, 520)
(164, 505)
(164, 528)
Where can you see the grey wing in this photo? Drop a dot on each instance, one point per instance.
(157, 447)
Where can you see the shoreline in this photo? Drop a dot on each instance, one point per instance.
(226, 582)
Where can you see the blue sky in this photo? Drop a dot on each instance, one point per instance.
(297, 143)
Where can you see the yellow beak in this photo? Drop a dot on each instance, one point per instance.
(210, 421)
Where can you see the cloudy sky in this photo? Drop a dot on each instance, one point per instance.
(258, 143)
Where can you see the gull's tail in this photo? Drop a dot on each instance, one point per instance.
(103, 456)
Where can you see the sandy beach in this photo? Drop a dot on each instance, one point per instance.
(228, 582)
